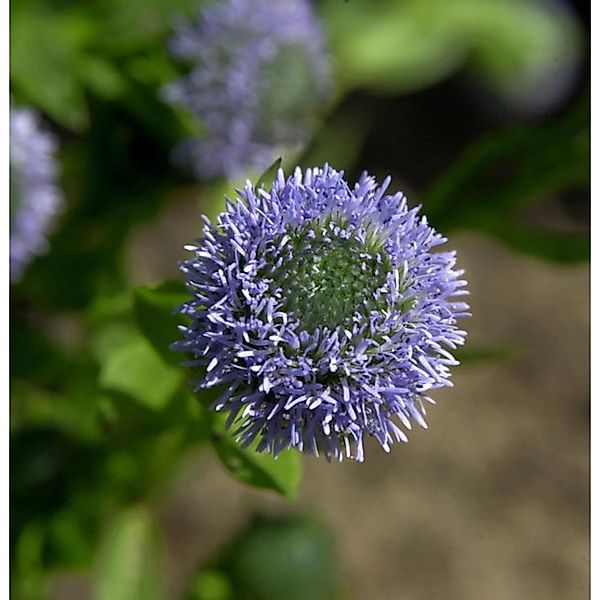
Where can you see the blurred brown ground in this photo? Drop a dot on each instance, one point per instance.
(490, 503)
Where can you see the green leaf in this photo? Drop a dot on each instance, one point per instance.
(44, 51)
(408, 45)
(69, 539)
(402, 46)
(282, 474)
(517, 47)
(154, 309)
(135, 369)
(504, 173)
(72, 408)
(128, 566)
(268, 177)
(101, 77)
(106, 308)
(29, 578)
(211, 585)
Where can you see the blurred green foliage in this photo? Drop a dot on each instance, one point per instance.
(273, 557)
(128, 561)
(101, 411)
(500, 175)
(64, 52)
(398, 46)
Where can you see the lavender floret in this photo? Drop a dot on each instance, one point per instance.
(35, 198)
(325, 311)
(260, 74)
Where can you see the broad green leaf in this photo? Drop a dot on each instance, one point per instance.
(110, 337)
(128, 565)
(109, 308)
(154, 309)
(101, 77)
(135, 369)
(398, 46)
(211, 585)
(260, 469)
(519, 46)
(268, 177)
(391, 47)
(44, 51)
(71, 409)
(69, 539)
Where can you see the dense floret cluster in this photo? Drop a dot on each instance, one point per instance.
(260, 75)
(324, 311)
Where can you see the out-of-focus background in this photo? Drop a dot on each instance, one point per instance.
(479, 109)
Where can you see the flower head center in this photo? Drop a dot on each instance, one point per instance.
(292, 95)
(328, 273)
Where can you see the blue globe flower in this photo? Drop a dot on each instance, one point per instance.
(324, 311)
(260, 75)
(35, 199)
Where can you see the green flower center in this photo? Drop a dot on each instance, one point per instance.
(291, 95)
(328, 274)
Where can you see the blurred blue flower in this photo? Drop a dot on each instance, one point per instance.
(260, 75)
(35, 199)
(324, 311)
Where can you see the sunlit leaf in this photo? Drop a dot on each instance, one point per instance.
(43, 65)
(135, 369)
(154, 309)
(393, 47)
(69, 540)
(282, 474)
(128, 566)
(211, 585)
(269, 175)
(101, 77)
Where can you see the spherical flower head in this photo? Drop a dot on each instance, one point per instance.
(324, 310)
(260, 76)
(35, 199)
